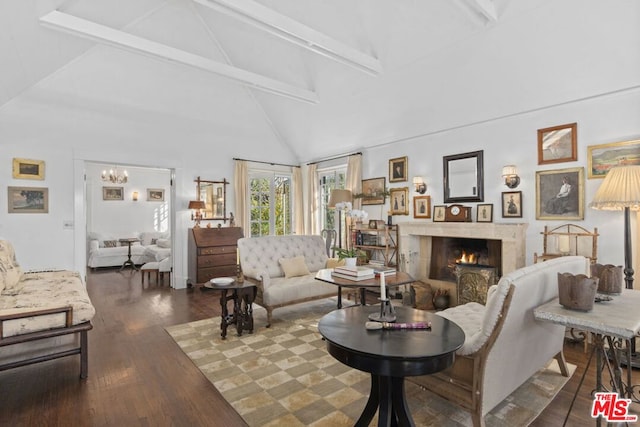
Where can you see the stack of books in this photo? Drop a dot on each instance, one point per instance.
(379, 267)
(354, 273)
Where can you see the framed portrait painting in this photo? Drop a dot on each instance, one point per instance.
(28, 199)
(558, 144)
(484, 213)
(438, 213)
(28, 169)
(603, 157)
(398, 169)
(155, 195)
(422, 207)
(112, 193)
(399, 201)
(512, 204)
(373, 191)
(560, 194)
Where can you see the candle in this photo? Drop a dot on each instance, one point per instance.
(383, 287)
(563, 244)
(237, 257)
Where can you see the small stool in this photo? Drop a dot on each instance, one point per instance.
(149, 268)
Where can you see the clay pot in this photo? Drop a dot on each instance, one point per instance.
(577, 292)
(610, 278)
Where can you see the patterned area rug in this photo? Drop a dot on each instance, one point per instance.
(283, 376)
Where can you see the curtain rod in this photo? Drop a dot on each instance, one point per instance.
(267, 163)
(359, 153)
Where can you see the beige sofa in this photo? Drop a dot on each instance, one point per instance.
(43, 315)
(264, 262)
(504, 344)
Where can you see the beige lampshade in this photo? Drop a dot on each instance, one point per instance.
(196, 204)
(620, 189)
(339, 196)
(509, 170)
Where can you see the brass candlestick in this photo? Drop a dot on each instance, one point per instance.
(239, 274)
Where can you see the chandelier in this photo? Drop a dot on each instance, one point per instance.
(114, 176)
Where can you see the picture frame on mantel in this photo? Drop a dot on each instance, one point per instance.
(422, 206)
(438, 213)
(484, 212)
(558, 144)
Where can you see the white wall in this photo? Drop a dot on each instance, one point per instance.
(121, 218)
(513, 140)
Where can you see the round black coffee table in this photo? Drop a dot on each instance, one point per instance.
(390, 355)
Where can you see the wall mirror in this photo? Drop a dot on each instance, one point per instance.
(464, 177)
(214, 196)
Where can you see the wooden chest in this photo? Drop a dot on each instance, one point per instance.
(212, 253)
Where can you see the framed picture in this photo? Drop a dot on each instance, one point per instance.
(560, 194)
(484, 213)
(112, 193)
(28, 169)
(558, 144)
(400, 201)
(155, 195)
(603, 157)
(28, 200)
(422, 207)
(512, 204)
(438, 213)
(398, 169)
(373, 191)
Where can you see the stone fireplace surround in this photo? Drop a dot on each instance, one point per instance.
(415, 245)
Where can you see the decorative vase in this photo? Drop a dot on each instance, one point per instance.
(610, 278)
(577, 292)
(440, 302)
(351, 262)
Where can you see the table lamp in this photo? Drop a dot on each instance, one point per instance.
(196, 205)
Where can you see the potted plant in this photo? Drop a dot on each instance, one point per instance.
(349, 255)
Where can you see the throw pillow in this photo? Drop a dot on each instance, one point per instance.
(294, 267)
(154, 241)
(163, 243)
(334, 262)
(110, 243)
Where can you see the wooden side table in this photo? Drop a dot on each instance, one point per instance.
(129, 262)
(242, 295)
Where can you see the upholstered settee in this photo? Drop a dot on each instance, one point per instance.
(504, 344)
(107, 251)
(284, 269)
(43, 315)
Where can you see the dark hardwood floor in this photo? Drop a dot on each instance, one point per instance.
(139, 377)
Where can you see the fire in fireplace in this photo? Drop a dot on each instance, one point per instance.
(449, 252)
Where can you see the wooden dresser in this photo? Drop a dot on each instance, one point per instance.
(212, 253)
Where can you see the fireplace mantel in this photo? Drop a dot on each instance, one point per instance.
(415, 242)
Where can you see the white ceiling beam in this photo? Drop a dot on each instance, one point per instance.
(259, 16)
(486, 8)
(70, 24)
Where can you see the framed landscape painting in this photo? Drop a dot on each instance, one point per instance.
(603, 157)
(28, 169)
(560, 194)
(373, 191)
(112, 193)
(558, 144)
(28, 200)
(155, 195)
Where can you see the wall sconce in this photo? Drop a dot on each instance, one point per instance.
(196, 215)
(421, 186)
(510, 175)
(134, 196)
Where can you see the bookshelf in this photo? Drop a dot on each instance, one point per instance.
(379, 243)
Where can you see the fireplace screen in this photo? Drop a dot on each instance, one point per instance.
(447, 253)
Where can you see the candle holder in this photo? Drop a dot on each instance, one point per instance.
(387, 313)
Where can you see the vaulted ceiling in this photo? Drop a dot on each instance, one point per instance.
(314, 77)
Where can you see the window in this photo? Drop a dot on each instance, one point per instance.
(330, 179)
(270, 203)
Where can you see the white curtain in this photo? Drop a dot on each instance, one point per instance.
(312, 200)
(298, 210)
(354, 178)
(241, 189)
